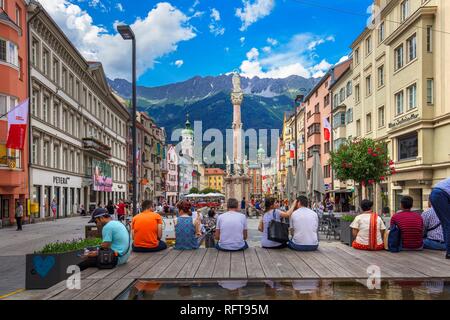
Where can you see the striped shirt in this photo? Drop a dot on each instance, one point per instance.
(431, 220)
(411, 229)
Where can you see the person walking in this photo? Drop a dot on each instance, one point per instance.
(111, 208)
(54, 207)
(440, 200)
(19, 215)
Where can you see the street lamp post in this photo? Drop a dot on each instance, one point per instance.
(127, 34)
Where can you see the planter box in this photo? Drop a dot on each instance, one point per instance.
(45, 270)
(346, 233)
(92, 231)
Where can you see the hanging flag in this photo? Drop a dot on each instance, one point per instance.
(17, 126)
(292, 150)
(326, 129)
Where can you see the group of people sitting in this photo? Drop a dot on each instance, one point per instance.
(231, 232)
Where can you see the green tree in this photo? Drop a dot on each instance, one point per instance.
(365, 161)
(194, 190)
(209, 190)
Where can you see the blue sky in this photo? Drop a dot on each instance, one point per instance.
(179, 39)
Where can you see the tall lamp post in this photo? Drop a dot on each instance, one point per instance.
(127, 34)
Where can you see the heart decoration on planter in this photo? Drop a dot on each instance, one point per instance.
(43, 265)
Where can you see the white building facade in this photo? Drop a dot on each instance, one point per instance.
(78, 127)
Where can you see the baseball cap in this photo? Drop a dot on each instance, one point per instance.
(99, 212)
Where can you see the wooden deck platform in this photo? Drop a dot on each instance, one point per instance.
(331, 261)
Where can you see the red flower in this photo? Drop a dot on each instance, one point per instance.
(391, 163)
(374, 154)
(382, 178)
(371, 181)
(363, 183)
(370, 150)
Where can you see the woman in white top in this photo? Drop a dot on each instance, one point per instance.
(368, 229)
(272, 212)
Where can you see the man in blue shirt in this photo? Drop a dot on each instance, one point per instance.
(440, 200)
(114, 236)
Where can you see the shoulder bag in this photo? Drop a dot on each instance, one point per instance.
(278, 231)
(107, 258)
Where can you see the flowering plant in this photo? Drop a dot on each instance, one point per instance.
(364, 161)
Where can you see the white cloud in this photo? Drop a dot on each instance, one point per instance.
(344, 58)
(254, 11)
(214, 26)
(198, 14)
(215, 14)
(242, 40)
(119, 7)
(157, 34)
(272, 42)
(297, 57)
(179, 63)
(227, 49)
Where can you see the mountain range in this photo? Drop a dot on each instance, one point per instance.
(207, 99)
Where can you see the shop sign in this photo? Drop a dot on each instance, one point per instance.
(403, 120)
(61, 180)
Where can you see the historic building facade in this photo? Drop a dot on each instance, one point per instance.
(400, 75)
(14, 184)
(172, 175)
(79, 127)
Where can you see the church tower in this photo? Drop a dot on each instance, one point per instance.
(187, 139)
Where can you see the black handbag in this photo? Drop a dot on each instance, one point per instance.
(108, 258)
(278, 231)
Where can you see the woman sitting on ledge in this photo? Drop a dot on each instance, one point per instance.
(368, 229)
(186, 229)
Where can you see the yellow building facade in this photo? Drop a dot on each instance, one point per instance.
(400, 72)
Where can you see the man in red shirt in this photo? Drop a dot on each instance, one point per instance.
(121, 208)
(410, 225)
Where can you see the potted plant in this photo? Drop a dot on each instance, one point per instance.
(346, 231)
(48, 266)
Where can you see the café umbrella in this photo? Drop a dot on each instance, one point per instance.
(317, 189)
(301, 183)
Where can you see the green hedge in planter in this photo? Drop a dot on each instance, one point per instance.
(68, 246)
(348, 218)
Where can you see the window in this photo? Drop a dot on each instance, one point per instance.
(369, 122)
(381, 76)
(349, 116)
(358, 127)
(412, 48)
(316, 109)
(357, 93)
(55, 71)
(313, 129)
(339, 120)
(335, 100)
(327, 171)
(429, 38)
(56, 114)
(46, 108)
(408, 147)
(368, 85)
(381, 32)
(399, 102)
(18, 16)
(315, 147)
(3, 105)
(404, 10)
(45, 60)
(342, 95)
(338, 143)
(368, 45)
(356, 55)
(56, 156)
(35, 52)
(9, 52)
(64, 161)
(34, 151)
(326, 100)
(381, 117)
(412, 96)
(35, 110)
(349, 89)
(71, 85)
(430, 91)
(64, 79)
(399, 57)
(45, 154)
(77, 91)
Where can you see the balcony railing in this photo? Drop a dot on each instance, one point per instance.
(97, 147)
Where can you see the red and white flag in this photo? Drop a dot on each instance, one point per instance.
(17, 126)
(326, 129)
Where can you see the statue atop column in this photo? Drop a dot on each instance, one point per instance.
(237, 95)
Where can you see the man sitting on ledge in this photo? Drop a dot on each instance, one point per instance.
(231, 229)
(147, 230)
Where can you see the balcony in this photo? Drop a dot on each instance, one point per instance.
(96, 148)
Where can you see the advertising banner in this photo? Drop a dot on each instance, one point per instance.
(102, 176)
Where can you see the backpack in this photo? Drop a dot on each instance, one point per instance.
(394, 239)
